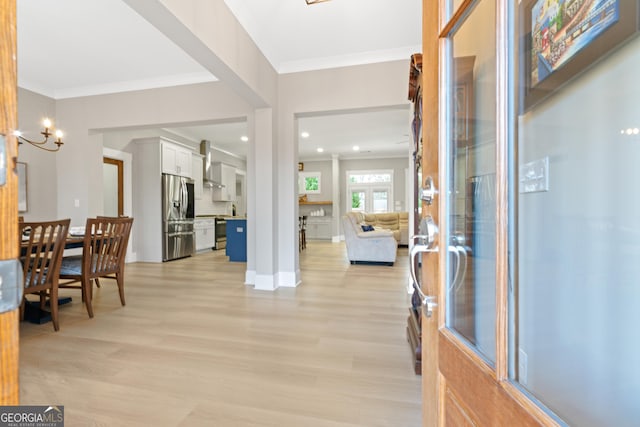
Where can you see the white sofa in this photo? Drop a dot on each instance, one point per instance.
(377, 246)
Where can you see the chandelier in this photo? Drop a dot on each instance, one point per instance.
(46, 133)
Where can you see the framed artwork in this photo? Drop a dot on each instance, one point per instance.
(562, 38)
(22, 187)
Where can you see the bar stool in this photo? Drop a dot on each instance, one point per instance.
(302, 232)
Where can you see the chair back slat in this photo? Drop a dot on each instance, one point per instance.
(106, 241)
(42, 244)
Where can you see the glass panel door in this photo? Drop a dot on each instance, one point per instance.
(380, 199)
(358, 200)
(471, 222)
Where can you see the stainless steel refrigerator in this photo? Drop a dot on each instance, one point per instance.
(178, 239)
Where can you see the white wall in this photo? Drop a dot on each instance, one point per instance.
(42, 170)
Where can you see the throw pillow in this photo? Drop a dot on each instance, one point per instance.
(367, 227)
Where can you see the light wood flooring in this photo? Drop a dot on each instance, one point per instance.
(194, 346)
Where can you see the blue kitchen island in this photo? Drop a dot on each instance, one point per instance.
(236, 248)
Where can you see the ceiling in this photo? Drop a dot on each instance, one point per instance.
(68, 48)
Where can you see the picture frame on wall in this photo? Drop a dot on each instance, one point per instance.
(560, 39)
(22, 187)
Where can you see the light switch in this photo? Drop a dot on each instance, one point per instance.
(76, 203)
(534, 176)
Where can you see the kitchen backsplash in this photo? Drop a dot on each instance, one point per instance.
(206, 206)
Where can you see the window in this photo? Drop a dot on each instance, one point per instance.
(369, 191)
(309, 182)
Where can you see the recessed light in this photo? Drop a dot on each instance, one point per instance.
(356, 148)
(304, 134)
(320, 150)
(244, 138)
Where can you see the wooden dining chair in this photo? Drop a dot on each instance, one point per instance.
(97, 280)
(103, 255)
(42, 246)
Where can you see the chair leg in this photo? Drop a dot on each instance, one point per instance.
(53, 305)
(43, 299)
(120, 281)
(86, 290)
(97, 282)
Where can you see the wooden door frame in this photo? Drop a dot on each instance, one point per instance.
(119, 164)
(430, 273)
(9, 332)
(459, 386)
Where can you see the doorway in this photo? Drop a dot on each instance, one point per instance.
(113, 186)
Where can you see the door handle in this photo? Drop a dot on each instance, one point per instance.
(428, 301)
(183, 207)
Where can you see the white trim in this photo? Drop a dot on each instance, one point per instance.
(287, 279)
(250, 277)
(266, 282)
(127, 188)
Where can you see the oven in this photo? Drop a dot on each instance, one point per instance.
(221, 233)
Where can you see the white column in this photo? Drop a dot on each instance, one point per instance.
(288, 256)
(263, 224)
(335, 222)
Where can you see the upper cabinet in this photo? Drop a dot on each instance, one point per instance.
(225, 175)
(176, 160)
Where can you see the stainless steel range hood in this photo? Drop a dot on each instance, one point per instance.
(206, 149)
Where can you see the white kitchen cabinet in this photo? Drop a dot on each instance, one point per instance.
(225, 175)
(318, 228)
(176, 160)
(205, 233)
(197, 162)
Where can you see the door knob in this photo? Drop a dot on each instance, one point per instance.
(427, 231)
(428, 191)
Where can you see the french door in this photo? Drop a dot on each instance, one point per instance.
(370, 199)
(530, 284)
